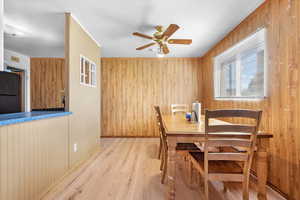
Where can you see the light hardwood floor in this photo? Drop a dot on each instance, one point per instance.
(128, 169)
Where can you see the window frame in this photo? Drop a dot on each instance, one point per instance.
(254, 41)
(93, 71)
(84, 59)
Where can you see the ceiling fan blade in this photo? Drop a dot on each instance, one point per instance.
(180, 41)
(142, 35)
(165, 49)
(146, 46)
(170, 30)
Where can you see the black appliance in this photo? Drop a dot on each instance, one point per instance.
(10, 92)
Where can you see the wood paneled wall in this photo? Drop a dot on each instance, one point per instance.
(131, 86)
(33, 156)
(281, 109)
(47, 78)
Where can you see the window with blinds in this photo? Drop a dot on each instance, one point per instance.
(240, 72)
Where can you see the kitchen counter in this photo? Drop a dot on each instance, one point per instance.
(14, 118)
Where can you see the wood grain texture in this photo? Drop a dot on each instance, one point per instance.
(281, 108)
(128, 169)
(47, 82)
(131, 86)
(177, 125)
(33, 156)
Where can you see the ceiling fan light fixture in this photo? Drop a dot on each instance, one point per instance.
(159, 53)
(161, 38)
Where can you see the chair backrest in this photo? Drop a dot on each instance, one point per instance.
(160, 125)
(158, 114)
(249, 144)
(179, 108)
(159, 118)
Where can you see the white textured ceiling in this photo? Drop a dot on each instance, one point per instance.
(40, 24)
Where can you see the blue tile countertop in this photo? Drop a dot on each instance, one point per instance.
(14, 118)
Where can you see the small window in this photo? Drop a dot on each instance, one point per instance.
(240, 72)
(87, 72)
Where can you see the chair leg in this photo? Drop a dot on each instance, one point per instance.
(185, 161)
(159, 149)
(206, 188)
(200, 180)
(225, 187)
(164, 171)
(162, 160)
(190, 172)
(246, 189)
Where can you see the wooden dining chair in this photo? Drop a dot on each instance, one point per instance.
(182, 148)
(158, 122)
(227, 166)
(179, 108)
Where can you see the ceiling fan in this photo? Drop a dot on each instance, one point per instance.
(161, 38)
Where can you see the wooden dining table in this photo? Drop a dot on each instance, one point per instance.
(179, 130)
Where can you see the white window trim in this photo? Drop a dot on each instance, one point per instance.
(235, 51)
(95, 72)
(90, 72)
(82, 68)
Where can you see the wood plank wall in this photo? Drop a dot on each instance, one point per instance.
(281, 109)
(47, 78)
(131, 86)
(33, 156)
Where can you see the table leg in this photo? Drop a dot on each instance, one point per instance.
(262, 171)
(171, 169)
